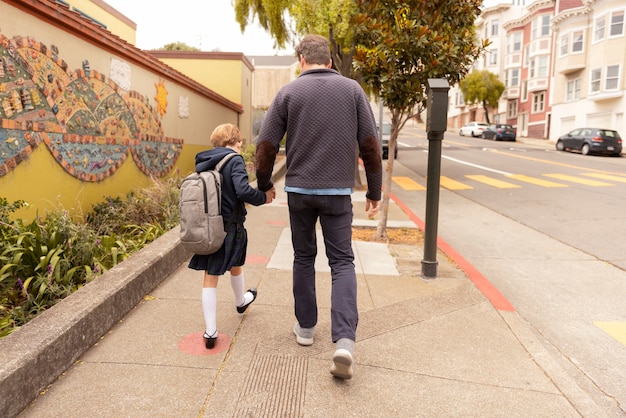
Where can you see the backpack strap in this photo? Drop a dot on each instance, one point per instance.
(218, 168)
(224, 160)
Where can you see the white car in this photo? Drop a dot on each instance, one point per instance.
(473, 128)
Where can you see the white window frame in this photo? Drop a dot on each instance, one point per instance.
(595, 80)
(612, 75)
(539, 102)
(599, 29)
(576, 42)
(513, 77)
(493, 57)
(524, 95)
(495, 24)
(542, 66)
(564, 45)
(511, 109)
(618, 26)
(540, 27)
(572, 91)
(514, 42)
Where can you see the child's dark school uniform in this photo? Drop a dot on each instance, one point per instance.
(236, 191)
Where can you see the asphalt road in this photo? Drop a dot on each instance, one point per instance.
(547, 229)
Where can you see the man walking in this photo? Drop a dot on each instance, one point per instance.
(326, 117)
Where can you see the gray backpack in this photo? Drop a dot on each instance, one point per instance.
(201, 223)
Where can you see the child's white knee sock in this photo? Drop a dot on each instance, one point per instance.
(209, 309)
(237, 283)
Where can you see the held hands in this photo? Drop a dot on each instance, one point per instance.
(270, 195)
(371, 207)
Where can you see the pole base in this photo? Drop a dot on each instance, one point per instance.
(429, 268)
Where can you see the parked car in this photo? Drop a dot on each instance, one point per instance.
(385, 141)
(591, 141)
(499, 132)
(473, 128)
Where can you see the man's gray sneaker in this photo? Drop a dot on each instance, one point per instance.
(304, 336)
(342, 364)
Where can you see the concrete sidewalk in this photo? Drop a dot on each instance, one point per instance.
(425, 347)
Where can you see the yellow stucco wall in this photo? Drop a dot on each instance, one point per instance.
(39, 177)
(230, 78)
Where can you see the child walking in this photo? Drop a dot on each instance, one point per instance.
(231, 256)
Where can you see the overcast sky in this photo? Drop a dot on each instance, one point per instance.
(205, 24)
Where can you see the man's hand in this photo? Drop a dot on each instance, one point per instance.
(270, 195)
(371, 207)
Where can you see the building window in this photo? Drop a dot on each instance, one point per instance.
(598, 29)
(538, 102)
(524, 95)
(511, 109)
(617, 24)
(459, 100)
(514, 42)
(540, 27)
(596, 75)
(564, 45)
(512, 77)
(494, 27)
(612, 77)
(493, 57)
(577, 41)
(542, 67)
(573, 90)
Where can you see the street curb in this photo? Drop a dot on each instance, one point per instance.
(35, 355)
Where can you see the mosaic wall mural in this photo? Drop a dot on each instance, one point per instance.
(88, 123)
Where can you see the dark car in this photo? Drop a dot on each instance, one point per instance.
(499, 132)
(591, 141)
(385, 141)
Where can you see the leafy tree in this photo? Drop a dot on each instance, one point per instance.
(397, 46)
(178, 46)
(286, 20)
(400, 45)
(483, 87)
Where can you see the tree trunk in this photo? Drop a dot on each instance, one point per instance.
(486, 111)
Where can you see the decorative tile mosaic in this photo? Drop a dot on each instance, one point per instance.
(88, 123)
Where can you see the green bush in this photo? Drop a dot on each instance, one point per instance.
(44, 261)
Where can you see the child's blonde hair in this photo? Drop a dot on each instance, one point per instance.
(225, 135)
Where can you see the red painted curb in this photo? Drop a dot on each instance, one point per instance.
(482, 284)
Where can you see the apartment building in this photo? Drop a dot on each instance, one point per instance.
(562, 63)
(589, 60)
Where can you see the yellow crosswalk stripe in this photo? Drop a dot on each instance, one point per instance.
(492, 182)
(606, 177)
(407, 183)
(450, 184)
(579, 180)
(616, 330)
(536, 181)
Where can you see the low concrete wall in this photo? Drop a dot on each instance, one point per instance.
(34, 356)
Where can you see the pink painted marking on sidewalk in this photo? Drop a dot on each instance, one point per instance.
(481, 282)
(193, 344)
(257, 259)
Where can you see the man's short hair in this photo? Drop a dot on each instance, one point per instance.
(314, 49)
